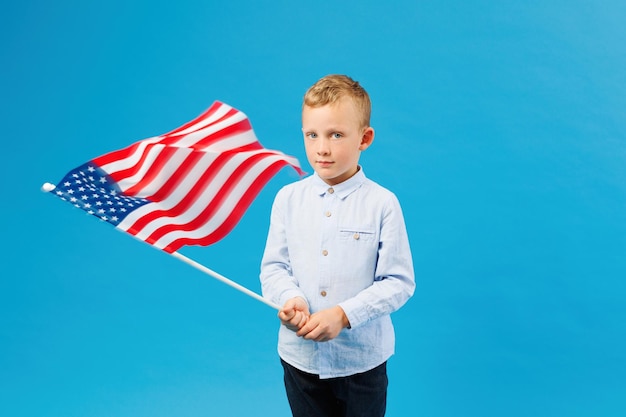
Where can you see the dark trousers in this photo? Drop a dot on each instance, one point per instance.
(359, 395)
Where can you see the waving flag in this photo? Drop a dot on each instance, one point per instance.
(187, 187)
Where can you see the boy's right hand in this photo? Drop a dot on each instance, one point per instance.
(295, 313)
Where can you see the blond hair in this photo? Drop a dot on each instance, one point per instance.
(332, 88)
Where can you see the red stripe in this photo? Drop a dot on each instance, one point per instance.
(237, 128)
(240, 127)
(183, 170)
(231, 221)
(190, 197)
(178, 133)
(174, 180)
(208, 113)
(155, 168)
(116, 155)
(214, 204)
(129, 172)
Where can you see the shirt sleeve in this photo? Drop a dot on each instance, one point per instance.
(277, 281)
(394, 281)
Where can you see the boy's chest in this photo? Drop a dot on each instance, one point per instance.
(334, 223)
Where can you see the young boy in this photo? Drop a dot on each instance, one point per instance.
(338, 260)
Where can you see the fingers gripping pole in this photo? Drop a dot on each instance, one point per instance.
(224, 279)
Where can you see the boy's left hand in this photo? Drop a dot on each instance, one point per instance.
(324, 325)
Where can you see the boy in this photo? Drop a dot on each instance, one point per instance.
(338, 260)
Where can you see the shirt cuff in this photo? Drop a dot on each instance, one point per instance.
(289, 294)
(355, 311)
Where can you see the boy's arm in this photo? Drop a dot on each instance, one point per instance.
(277, 282)
(394, 281)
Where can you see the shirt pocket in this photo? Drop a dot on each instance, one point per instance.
(357, 234)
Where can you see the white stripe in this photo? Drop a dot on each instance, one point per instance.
(164, 174)
(205, 197)
(224, 211)
(194, 137)
(224, 108)
(130, 161)
(186, 141)
(176, 196)
(151, 156)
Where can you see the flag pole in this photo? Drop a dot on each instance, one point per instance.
(223, 279)
(47, 187)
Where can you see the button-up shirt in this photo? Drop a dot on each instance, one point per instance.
(343, 245)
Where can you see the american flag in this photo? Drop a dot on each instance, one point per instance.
(190, 186)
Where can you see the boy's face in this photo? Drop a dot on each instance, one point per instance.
(334, 139)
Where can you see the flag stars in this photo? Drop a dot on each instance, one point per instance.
(90, 189)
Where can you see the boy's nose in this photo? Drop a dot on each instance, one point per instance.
(323, 147)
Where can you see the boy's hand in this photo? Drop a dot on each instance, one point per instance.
(294, 314)
(324, 325)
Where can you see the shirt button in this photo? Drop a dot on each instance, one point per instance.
(324, 252)
(357, 236)
(331, 190)
(323, 293)
(327, 214)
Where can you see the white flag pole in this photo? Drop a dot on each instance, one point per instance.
(47, 187)
(223, 279)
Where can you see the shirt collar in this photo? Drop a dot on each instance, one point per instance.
(342, 190)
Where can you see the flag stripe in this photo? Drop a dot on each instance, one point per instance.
(184, 204)
(222, 195)
(146, 174)
(208, 116)
(235, 215)
(205, 230)
(205, 136)
(168, 217)
(189, 186)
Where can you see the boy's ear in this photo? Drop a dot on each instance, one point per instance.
(367, 138)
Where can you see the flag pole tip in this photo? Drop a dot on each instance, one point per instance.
(47, 187)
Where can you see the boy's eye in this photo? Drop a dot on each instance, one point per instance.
(337, 136)
(311, 135)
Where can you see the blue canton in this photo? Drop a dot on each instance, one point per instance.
(90, 188)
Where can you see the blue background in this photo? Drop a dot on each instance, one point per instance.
(500, 126)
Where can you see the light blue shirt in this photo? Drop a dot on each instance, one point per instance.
(344, 245)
